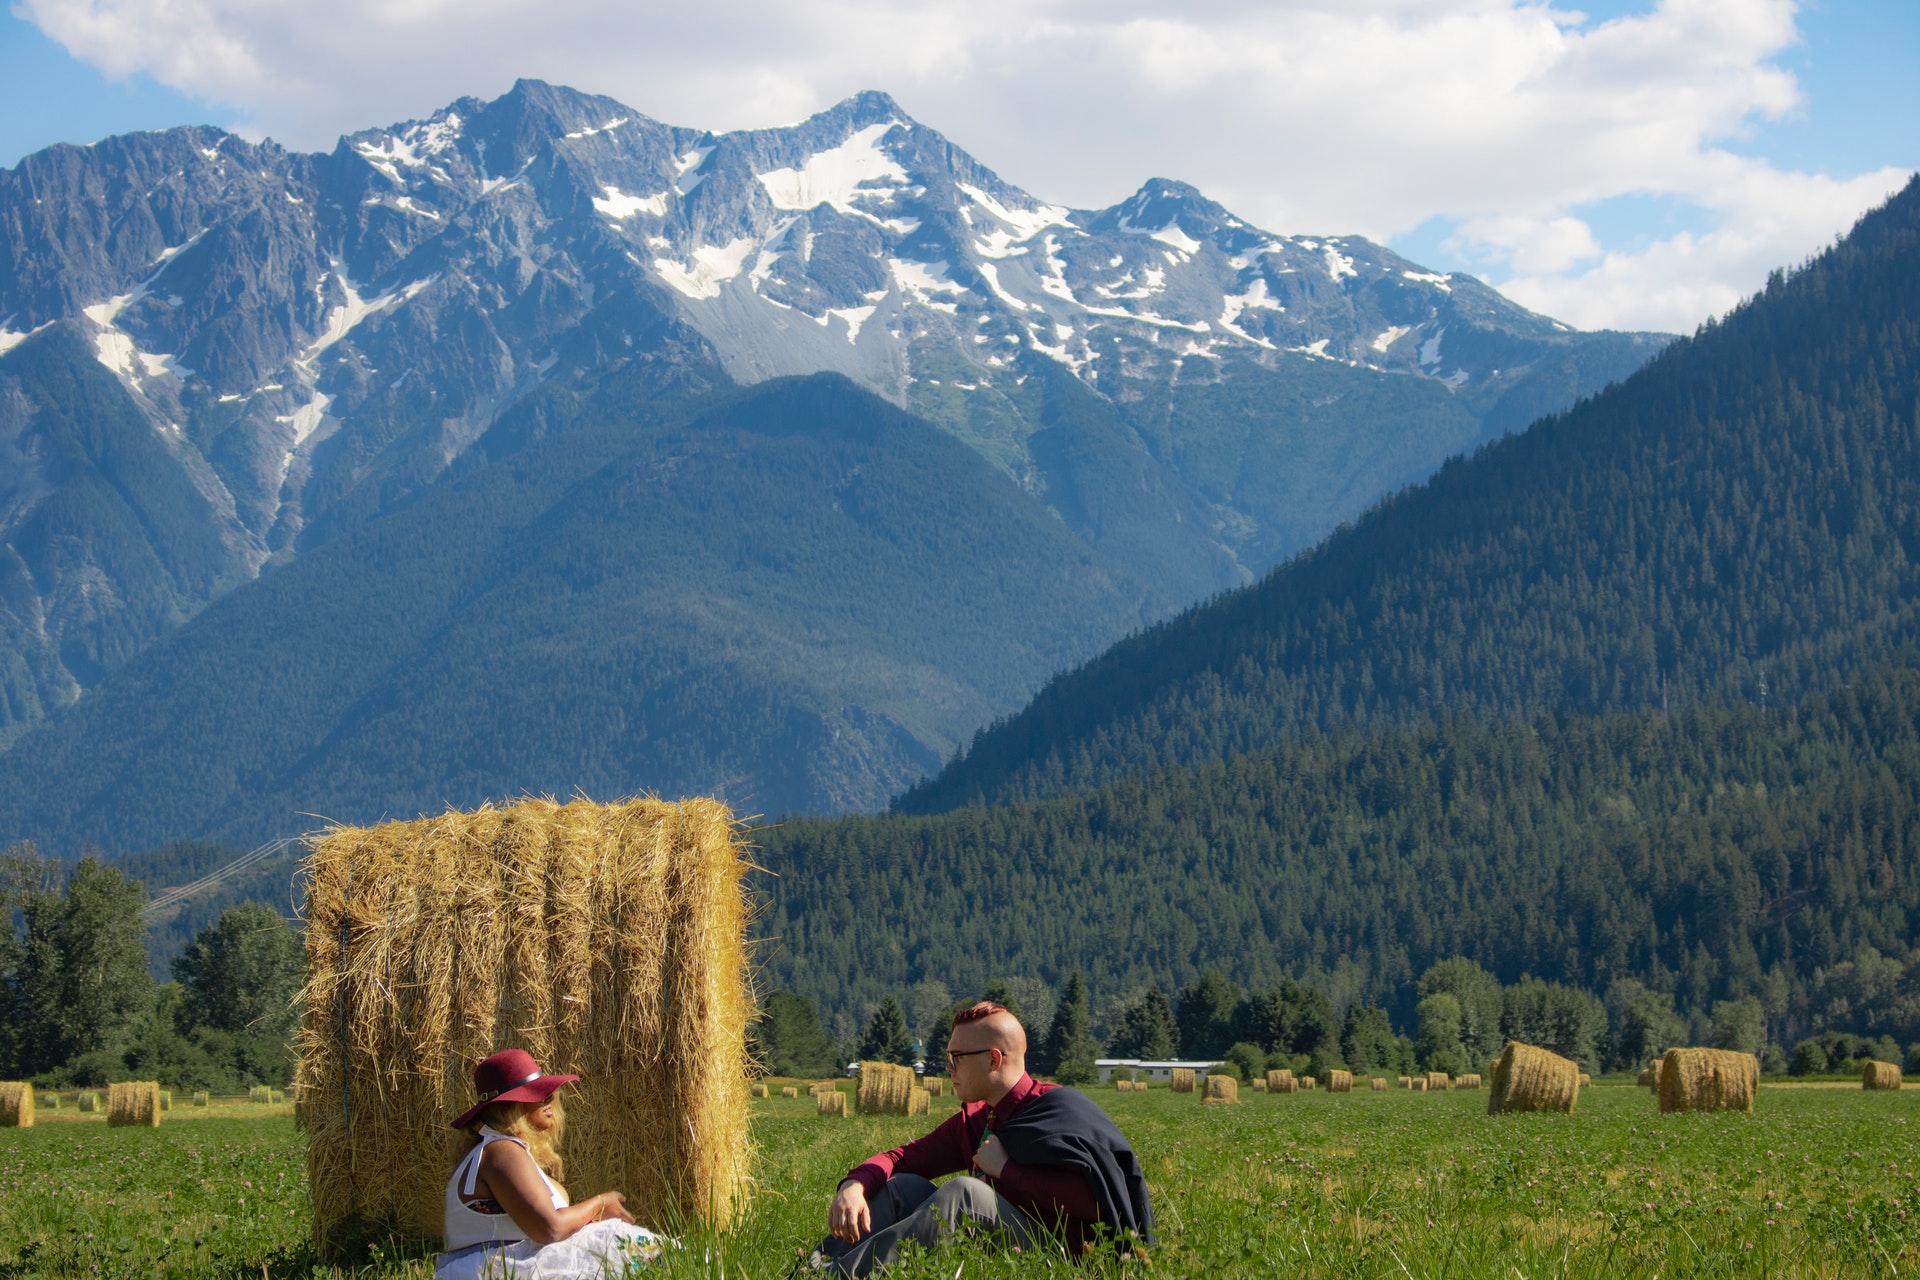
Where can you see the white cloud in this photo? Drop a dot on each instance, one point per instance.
(1328, 116)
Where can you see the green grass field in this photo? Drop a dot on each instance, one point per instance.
(1816, 1182)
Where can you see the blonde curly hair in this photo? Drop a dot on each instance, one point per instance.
(511, 1119)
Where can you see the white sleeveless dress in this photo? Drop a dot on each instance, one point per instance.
(488, 1246)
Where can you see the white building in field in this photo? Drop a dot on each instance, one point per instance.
(1156, 1070)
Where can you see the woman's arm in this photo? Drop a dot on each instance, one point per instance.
(511, 1179)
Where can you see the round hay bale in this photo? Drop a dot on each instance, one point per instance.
(1183, 1080)
(1406, 1082)
(1708, 1080)
(937, 1086)
(16, 1105)
(49, 1101)
(260, 1093)
(1529, 1078)
(830, 1104)
(919, 1102)
(1379, 1083)
(134, 1104)
(1259, 1084)
(1221, 1088)
(792, 1091)
(758, 1089)
(1280, 1081)
(1469, 1081)
(1585, 1079)
(1123, 1086)
(607, 940)
(1418, 1084)
(1650, 1075)
(1877, 1075)
(1337, 1081)
(1437, 1080)
(886, 1089)
(201, 1098)
(1306, 1082)
(87, 1101)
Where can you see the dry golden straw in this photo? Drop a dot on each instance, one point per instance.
(1406, 1082)
(166, 1099)
(1337, 1081)
(919, 1102)
(759, 1089)
(1259, 1084)
(1878, 1075)
(1436, 1080)
(1650, 1076)
(830, 1104)
(134, 1104)
(16, 1105)
(608, 941)
(1222, 1089)
(201, 1098)
(1123, 1086)
(1469, 1081)
(1585, 1079)
(260, 1093)
(1379, 1083)
(1418, 1084)
(886, 1089)
(937, 1086)
(1280, 1081)
(1307, 1082)
(1529, 1078)
(1708, 1080)
(1183, 1079)
(791, 1091)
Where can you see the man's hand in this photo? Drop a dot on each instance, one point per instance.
(848, 1217)
(991, 1158)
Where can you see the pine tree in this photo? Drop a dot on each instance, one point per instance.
(1146, 1029)
(1069, 1044)
(886, 1038)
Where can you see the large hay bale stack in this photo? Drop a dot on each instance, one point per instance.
(1468, 1081)
(607, 941)
(1708, 1080)
(16, 1105)
(1183, 1080)
(1337, 1081)
(1437, 1080)
(1280, 1081)
(1222, 1089)
(135, 1104)
(1877, 1075)
(1379, 1083)
(886, 1089)
(87, 1101)
(1529, 1078)
(831, 1103)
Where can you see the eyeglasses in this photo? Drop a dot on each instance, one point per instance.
(954, 1055)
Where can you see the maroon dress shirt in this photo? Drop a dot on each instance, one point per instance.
(1049, 1195)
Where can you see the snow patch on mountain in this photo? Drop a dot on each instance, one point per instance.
(710, 267)
(839, 176)
(620, 206)
(920, 280)
(1390, 335)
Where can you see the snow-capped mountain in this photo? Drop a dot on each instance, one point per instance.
(309, 339)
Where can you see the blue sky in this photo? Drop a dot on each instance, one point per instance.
(1625, 164)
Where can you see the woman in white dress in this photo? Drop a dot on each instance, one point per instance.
(507, 1216)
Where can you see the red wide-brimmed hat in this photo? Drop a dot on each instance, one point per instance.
(510, 1075)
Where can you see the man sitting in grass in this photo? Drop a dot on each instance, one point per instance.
(1053, 1171)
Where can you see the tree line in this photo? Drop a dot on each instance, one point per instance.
(78, 1005)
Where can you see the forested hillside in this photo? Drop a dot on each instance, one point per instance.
(1741, 519)
(1722, 852)
(796, 596)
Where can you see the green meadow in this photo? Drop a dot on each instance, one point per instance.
(1816, 1182)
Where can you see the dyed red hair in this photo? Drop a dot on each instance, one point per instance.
(975, 1012)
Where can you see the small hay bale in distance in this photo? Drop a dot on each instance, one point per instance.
(607, 940)
(1437, 1080)
(919, 1102)
(1379, 1083)
(1406, 1082)
(791, 1091)
(1337, 1081)
(1418, 1084)
(1650, 1076)
(1259, 1084)
(831, 1103)
(1585, 1079)
(1708, 1080)
(260, 1093)
(759, 1089)
(201, 1098)
(1306, 1082)
(16, 1105)
(49, 1101)
(1469, 1081)
(1280, 1081)
(166, 1099)
(1877, 1075)
(1183, 1080)
(1221, 1088)
(936, 1086)
(88, 1101)
(886, 1089)
(135, 1104)
(1529, 1078)
(1123, 1086)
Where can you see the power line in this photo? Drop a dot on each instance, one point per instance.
(180, 893)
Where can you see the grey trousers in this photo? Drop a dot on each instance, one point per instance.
(911, 1208)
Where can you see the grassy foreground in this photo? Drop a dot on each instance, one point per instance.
(1817, 1182)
